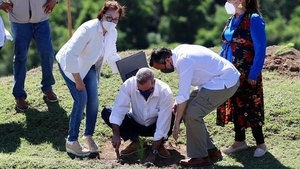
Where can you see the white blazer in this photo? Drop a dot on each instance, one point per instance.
(4, 34)
(86, 48)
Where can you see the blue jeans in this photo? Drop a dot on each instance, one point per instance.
(23, 33)
(87, 98)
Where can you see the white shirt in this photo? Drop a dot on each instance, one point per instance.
(201, 67)
(157, 108)
(87, 47)
(4, 34)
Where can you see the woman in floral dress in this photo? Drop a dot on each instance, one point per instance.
(244, 44)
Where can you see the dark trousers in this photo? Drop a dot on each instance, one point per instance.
(130, 129)
(257, 132)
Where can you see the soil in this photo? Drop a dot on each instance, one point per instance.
(286, 63)
(178, 152)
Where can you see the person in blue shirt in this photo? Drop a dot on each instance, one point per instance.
(244, 44)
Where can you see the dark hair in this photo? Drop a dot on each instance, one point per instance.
(252, 6)
(111, 5)
(158, 55)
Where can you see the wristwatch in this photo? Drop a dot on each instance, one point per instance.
(155, 152)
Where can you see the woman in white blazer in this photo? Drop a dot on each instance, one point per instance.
(80, 61)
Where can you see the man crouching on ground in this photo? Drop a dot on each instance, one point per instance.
(151, 102)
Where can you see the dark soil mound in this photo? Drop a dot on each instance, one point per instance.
(286, 62)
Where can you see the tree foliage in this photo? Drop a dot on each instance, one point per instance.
(150, 23)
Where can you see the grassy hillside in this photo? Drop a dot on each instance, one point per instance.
(36, 138)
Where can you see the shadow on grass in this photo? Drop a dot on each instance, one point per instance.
(41, 126)
(159, 162)
(248, 161)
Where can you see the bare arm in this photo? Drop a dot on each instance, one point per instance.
(179, 113)
(78, 81)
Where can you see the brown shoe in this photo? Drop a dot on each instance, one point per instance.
(130, 149)
(21, 104)
(214, 155)
(195, 162)
(50, 96)
(163, 152)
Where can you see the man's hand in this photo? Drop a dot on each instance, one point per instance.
(6, 7)
(116, 141)
(49, 6)
(175, 131)
(174, 108)
(252, 82)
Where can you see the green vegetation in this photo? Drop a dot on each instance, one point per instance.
(36, 137)
(158, 22)
(284, 48)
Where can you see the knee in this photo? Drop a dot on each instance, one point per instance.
(93, 101)
(20, 57)
(193, 114)
(105, 113)
(81, 99)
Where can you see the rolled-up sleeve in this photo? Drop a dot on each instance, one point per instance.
(74, 48)
(121, 106)
(164, 117)
(111, 54)
(185, 68)
(258, 35)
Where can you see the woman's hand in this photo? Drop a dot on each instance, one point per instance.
(6, 7)
(79, 82)
(252, 82)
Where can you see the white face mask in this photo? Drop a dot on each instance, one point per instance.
(230, 9)
(109, 26)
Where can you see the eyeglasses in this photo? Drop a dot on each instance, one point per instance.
(111, 19)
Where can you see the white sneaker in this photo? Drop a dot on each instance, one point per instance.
(259, 152)
(231, 150)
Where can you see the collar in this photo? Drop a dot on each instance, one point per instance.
(100, 29)
(174, 58)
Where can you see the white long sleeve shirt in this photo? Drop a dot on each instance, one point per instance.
(87, 47)
(199, 66)
(157, 108)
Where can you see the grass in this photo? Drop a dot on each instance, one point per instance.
(36, 137)
(283, 49)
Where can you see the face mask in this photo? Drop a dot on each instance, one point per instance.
(230, 9)
(147, 93)
(166, 70)
(108, 26)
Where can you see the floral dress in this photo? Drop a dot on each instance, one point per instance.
(246, 50)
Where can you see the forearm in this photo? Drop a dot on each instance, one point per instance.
(179, 112)
(76, 77)
(116, 130)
